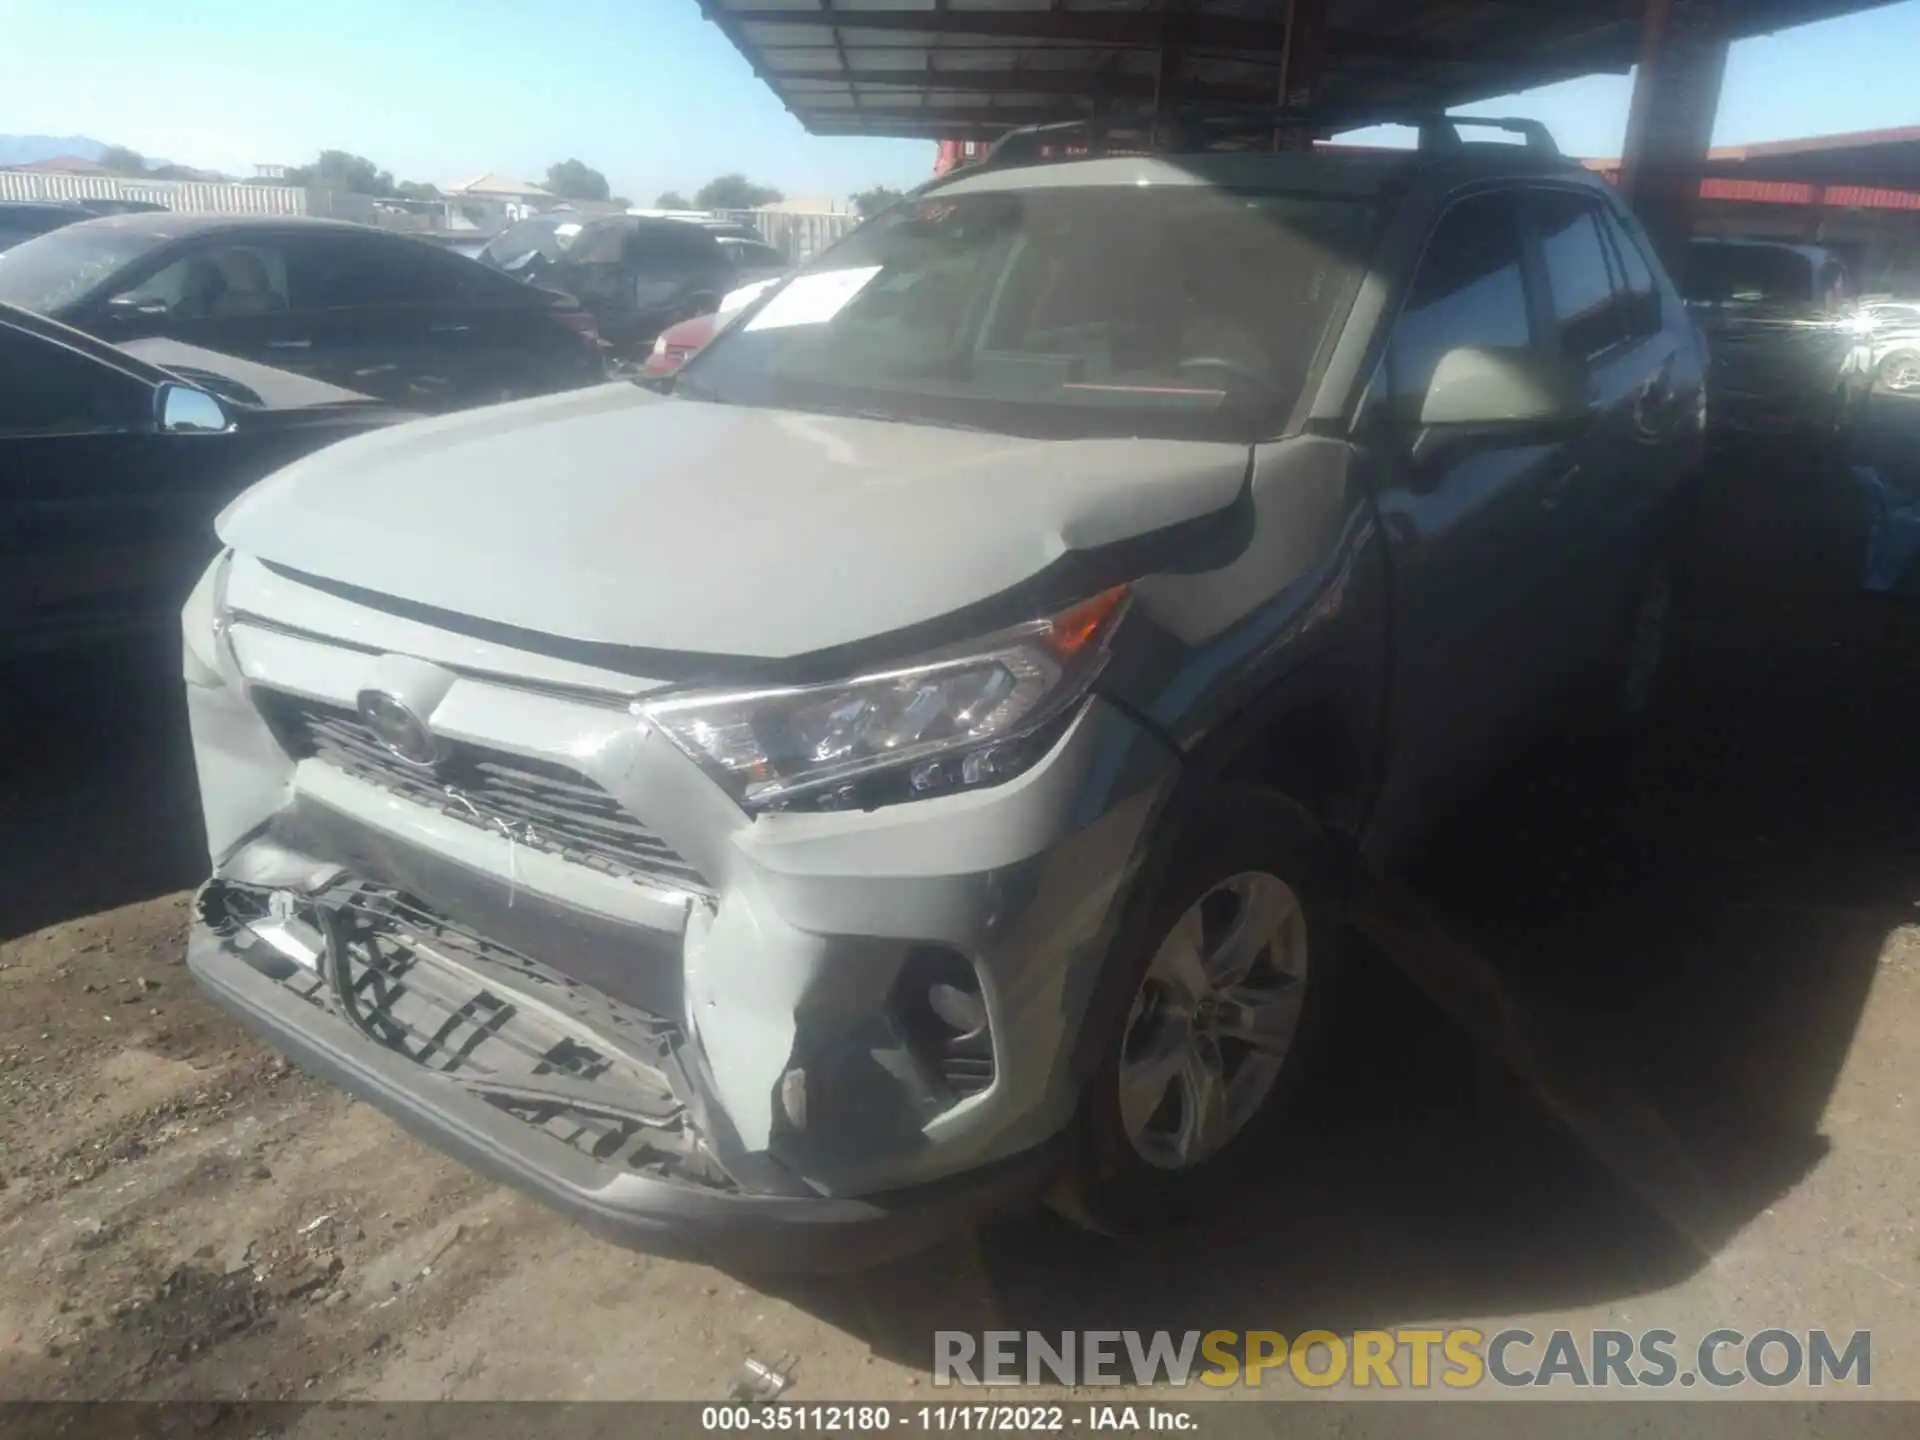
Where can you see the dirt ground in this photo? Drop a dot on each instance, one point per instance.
(1726, 923)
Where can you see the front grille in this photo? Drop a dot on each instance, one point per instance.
(533, 802)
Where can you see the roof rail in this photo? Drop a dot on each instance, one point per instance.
(1189, 128)
(1442, 132)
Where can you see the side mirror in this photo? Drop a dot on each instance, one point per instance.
(1482, 386)
(183, 410)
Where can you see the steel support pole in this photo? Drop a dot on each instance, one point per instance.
(1302, 64)
(1676, 95)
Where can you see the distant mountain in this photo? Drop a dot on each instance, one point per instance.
(25, 149)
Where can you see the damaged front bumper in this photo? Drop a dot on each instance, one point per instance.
(577, 1100)
(560, 952)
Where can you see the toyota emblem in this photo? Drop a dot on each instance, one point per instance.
(395, 725)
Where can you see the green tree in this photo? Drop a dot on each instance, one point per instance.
(341, 170)
(121, 161)
(872, 202)
(571, 180)
(672, 200)
(415, 190)
(734, 192)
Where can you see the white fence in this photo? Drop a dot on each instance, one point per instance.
(799, 237)
(186, 194)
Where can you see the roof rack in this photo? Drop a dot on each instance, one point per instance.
(1183, 129)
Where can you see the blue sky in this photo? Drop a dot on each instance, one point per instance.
(648, 92)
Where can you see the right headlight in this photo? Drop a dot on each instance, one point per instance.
(958, 719)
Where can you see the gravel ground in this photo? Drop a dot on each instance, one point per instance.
(1721, 923)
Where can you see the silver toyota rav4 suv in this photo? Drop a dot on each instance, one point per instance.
(920, 766)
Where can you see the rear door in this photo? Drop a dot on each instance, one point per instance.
(1608, 317)
(366, 318)
(1471, 529)
(509, 343)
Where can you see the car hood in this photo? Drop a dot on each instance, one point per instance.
(614, 516)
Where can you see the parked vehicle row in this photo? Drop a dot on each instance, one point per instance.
(634, 274)
(923, 761)
(370, 310)
(551, 301)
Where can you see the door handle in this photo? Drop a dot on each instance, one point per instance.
(289, 344)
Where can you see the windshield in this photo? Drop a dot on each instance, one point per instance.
(547, 236)
(1169, 310)
(1748, 274)
(63, 266)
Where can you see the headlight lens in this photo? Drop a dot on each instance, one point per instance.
(957, 720)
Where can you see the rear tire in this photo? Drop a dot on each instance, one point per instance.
(1212, 1010)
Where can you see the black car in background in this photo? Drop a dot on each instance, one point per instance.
(1778, 318)
(112, 470)
(25, 219)
(372, 311)
(636, 274)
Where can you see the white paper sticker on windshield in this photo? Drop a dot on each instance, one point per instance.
(813, 299)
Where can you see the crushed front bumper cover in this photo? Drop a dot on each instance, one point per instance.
(586, 1103)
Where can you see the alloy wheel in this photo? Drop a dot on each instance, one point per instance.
(1213, 1020)
(1902, 374)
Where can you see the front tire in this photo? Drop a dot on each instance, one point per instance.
(1212, 1016)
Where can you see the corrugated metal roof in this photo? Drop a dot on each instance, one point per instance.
(959, 68)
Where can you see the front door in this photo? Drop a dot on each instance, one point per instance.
(225, 294)
(1478, 603)
(104, 524)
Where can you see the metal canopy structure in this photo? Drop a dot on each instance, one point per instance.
(1883, 158)
(959, 69)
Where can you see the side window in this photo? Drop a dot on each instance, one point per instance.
(1469, 290)
(1579, 278)
(672, 248)
(335, 272)
(47, 389)
(223, 279)
(1641, 311)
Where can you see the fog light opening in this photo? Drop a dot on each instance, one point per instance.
(942, 1013)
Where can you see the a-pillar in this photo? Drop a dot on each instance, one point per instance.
(1676, 95)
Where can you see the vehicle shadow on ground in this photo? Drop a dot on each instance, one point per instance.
(1693, 922)
(99, 808)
